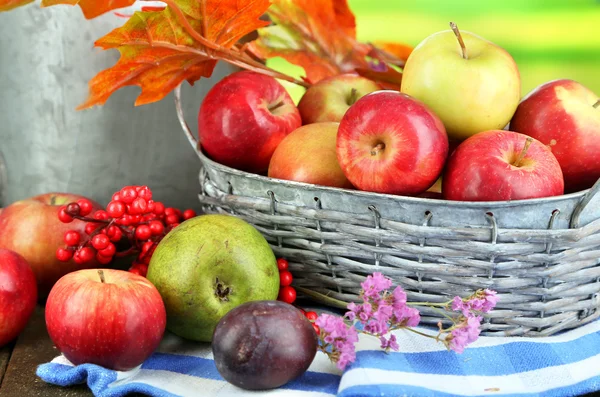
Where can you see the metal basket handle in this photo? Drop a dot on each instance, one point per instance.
(595, 190)
(184, 125)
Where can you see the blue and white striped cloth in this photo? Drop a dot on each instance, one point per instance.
(563, 365)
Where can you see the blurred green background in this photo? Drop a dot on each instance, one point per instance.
(549, 39)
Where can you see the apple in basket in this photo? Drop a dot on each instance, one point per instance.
(501, 165)
(32, 228)
(243, 119)
(18, 294)
(565, 115)
(329, 99)
(309, 155)
(391, 143)
(108, 317)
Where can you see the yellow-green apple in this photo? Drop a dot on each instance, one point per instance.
(18, 294)
(32, 229)
(308, 155)
(391, 143)
(108, 317)
(329, 99)
(473, 85)
(500, 165)
(565, 115)
(243, 119)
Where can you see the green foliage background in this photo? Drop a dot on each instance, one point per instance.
(549, 39)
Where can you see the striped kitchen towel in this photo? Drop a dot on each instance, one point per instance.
(564, 365)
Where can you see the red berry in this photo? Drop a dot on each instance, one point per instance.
(145, 193)
(101, 215)
(173, 225)
(178, 213)
(287, 295)
(116, 197)
(282, 264)
(72, 238)
(128, 194)
(86, 254)
(285, 278)
(143, 232)
(73, 209)
(135, 270)
(317, 329)
(104, 260)
(151, 206)
(172, 219)
(138, 207)
(170, 211)
(114, 233)
(63, 216)
(312, 316)
(157, 227)
(100, 241)
(159, 208)
(302, 310)
(146, 246)
(77, 258)
(64, 255)
(143, 269)
(90, 227)
(188, 214)
(85, 207)
(109, 251)
(116, 209)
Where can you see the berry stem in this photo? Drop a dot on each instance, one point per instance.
(93, 220)
(597, 104)
(460, 39)
(101, 274)
(528, 142)
(129, 251)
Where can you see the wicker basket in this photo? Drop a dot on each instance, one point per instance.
(542, 256)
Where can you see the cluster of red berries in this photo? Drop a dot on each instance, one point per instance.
(131, 215)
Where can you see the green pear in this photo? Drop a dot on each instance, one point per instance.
(473, 85)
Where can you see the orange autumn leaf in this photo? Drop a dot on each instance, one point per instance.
(318, 35)
(6, 5)
(91, 8)
(397, 50)
(161, 49)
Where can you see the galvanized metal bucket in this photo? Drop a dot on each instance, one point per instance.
(542, 256)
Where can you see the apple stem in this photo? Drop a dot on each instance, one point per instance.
(353, 97)
(460, 39)
(101, 274)
(377, 149)
(597, 104)
(528, 143)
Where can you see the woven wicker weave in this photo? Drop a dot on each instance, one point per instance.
(542, 256)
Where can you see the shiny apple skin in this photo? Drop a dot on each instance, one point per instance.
(116, 324)
(561, 114)
(330, 99)
(308, 155)
(416, 144)
(481, 169)
(235, 124)
(18, 294)
(31, 228)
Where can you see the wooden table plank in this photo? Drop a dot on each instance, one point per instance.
(34, 347)
(5, 353)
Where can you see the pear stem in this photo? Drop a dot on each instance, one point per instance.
(528, 143)
(101, 274)
(597, 104)
(460, 39)
(377, 149)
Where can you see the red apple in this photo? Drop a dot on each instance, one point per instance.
(31, 228)
(329, 99)
(18, 294)
(501, 165)
(108, 317)
(391, 143)
(308, 155)
(243, 119)
(565, 115)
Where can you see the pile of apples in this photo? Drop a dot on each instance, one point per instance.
(458, 128)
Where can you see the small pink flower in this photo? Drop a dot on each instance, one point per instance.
(390, 343)
(465, 333)
(374, 284)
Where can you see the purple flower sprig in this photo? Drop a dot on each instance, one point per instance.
(383, 311)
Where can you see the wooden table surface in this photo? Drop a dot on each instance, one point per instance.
(19, 360)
